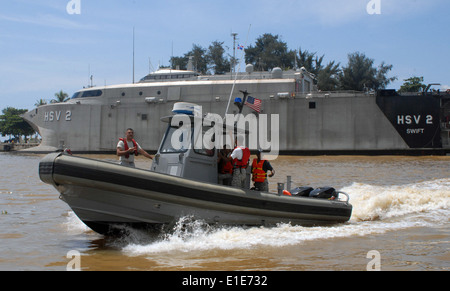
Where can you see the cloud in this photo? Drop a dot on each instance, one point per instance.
(46, 20)
(337, 12)
(323, 12)
(408, 7)
(331, 13)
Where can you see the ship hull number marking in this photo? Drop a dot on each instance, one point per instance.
(57, 116)
(414, 120)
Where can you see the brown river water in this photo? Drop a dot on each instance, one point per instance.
(400, 221)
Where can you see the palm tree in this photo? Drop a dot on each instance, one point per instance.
(61, 96)
(40, 102)
(328, 77)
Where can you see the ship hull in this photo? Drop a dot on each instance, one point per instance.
(317, 123)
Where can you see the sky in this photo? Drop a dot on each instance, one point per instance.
(52, 45)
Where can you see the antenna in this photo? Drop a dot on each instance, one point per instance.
(233, 61)
(171, 60)
(133, 54)
(91, 77)
(242, 57)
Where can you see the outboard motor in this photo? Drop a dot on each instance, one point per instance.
(324, 193)
(301, 191)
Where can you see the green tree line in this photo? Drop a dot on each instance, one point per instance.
(269, 51)
(11, 124)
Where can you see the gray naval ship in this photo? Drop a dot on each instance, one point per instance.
(310, 121)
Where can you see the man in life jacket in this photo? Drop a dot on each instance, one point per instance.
(240, 157)
(127, 148)
(260, 168)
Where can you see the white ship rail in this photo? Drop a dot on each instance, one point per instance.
(333, 94)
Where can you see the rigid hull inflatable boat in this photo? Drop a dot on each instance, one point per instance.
(179, 183)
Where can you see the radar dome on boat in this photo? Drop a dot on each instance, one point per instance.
(184, 108)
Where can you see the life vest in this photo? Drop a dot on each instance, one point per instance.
(226, 168)
(258, 174)
(242, 164)
(126, 147)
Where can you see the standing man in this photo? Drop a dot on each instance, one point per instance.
(127, 148)
(225, 166)
(240, 158)
(260, 168)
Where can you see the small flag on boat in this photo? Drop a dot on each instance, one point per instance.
(254, 103)
(241, 47)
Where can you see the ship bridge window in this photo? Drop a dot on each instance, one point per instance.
(76, 95)
(91, 93)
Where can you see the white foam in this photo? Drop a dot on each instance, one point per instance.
(241, 238)
(74, 225)
(376, 210)
(383, 202)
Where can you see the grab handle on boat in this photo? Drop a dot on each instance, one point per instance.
(280, 188)
(345, 194)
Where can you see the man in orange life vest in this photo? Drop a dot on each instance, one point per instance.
(240, 157)
(127, 148)
(260, 168)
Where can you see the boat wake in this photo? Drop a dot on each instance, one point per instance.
(376, 210)
(372, 203)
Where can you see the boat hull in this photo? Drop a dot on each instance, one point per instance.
(103, 195)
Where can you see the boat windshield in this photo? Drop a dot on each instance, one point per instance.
(207, 142)
(177, 140)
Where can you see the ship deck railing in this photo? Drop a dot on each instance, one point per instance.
(332, 94)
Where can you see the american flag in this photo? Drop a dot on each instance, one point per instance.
(254, 103)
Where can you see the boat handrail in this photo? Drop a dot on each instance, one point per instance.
(345, 194)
